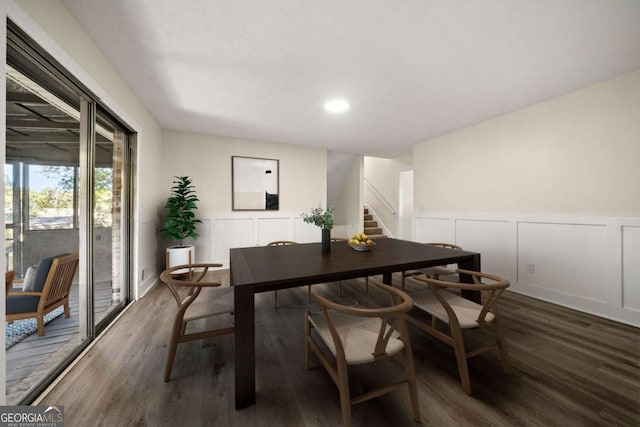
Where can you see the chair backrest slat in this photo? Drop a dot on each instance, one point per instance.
(60, 278)
(282, 243)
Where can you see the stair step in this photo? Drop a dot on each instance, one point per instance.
(372, 230)
(366, 211)
(368, 217)
(370, 224)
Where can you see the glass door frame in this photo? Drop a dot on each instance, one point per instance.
(43, 68)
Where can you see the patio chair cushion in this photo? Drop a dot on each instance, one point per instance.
(29, 278)
(42, 272)
(22, 303)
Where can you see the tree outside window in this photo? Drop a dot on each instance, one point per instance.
(51, 201)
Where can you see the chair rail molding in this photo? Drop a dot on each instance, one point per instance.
(561, 259)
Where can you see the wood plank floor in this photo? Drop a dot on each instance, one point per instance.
(569, 369)
(30, 360)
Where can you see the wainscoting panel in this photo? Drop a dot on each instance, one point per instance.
(244, 229)
(202, 246)
(305, 233)
(231, 233)
(434, 229)
(565, 258)
(148, 267)
(586, 263)
(631, 268)
(494, 240)
(272, 229)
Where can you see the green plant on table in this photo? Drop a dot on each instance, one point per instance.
(319, 217)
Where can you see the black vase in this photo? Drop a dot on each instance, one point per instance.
(326, 241)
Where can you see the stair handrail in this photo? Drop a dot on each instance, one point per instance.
(379, 195)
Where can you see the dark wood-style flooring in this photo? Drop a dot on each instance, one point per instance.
(569, 369)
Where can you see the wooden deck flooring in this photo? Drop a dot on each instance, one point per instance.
(569, 369)
(34, 357)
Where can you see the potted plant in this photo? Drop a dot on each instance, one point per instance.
(181, 222)
(324, 220)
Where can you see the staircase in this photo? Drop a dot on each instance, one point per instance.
(371, 228)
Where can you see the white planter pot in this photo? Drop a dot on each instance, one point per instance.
(177, 255)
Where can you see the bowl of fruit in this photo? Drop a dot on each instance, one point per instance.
(361, 242)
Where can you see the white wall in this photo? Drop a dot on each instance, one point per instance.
(349, 219)
(51, 25)
(381, 189)
(550, 195)
(575, 155)
(405, 205)
(207, 160)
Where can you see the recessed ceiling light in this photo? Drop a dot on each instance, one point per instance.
(336, 106)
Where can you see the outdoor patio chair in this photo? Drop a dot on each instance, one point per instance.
(51, 286)
(8, 280)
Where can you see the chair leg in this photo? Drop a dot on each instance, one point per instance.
(345, 399)
(461, 358)
(410, 372)
(40, 321)
(403, 276)
(340, 288)
(67, 312)
(309, 293)
(502, 346)
(275, 299)
(307, 333)
(366, 283)
(173, 347)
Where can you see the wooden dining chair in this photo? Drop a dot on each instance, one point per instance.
(185, 290)
(285, 243)
(459, 314)
(436, 272)
(357, 336)
(366, 279)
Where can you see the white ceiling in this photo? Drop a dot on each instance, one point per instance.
(411, 69)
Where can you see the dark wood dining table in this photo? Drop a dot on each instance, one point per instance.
(262, 269)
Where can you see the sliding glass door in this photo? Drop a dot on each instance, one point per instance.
(68, 175)
(111, 227)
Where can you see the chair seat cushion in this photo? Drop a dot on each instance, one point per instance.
(358, 335)
(22, 304)
(466, 311)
